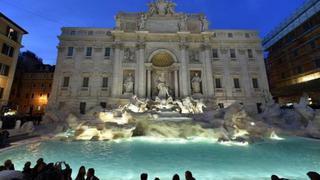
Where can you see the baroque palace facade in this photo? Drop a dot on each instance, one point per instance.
(158, 53)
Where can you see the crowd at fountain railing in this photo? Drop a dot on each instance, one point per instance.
(62, 171)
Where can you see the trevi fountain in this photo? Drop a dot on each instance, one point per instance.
(162, 113)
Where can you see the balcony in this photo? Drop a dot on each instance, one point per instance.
(65, 91)
(219, 92)
(237, 92)
(84, 91)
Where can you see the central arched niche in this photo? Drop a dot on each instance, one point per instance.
(162, 59)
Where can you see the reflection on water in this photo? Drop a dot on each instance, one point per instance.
(126, 159)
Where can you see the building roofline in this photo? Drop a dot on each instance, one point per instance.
(307, 10)
(12, 22)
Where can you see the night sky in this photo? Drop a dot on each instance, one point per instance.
(44, 18)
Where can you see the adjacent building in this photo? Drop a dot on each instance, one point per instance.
(10, 43)
(159, 53)
(32, 85)
(293, 61)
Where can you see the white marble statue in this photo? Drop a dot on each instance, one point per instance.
(170, 8)
(204, 23)
(195, 83)
(199, 106)
(182, 25)
(128, 84)
(118, 22)
(142, 23)
(162, 86)
(152, 9)
(162, 7)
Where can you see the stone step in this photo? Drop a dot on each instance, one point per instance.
(174, 119)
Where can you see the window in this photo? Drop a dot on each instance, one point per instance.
(218, 83)
(48, 95)
(296, 52)
(32, 95)
(90, 33)
(7, 50)
(255, 83)
(230, 35)
(72, 33)
(104, 82)
(89, 51)
(12, 34)
(232, 53)
(107, 52)
(85, 82)
(66, 82)
(247, 35)
(103, 105)
(70, 51)
(236, 83)
(250, 54)
(83, 107)
(259, 108)
(221, 105)
(215, 53)
(317, 62)
(1, 92)
(4, 69)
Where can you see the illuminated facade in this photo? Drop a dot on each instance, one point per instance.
(293, 61)
(31, 90)
(10, 43)
(158, 53)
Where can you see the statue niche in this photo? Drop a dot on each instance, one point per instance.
(128, 83)
(196, 83)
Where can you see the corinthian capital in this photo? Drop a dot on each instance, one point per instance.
(141, 45)
(183, 46)
(117, 45)
(205, 46)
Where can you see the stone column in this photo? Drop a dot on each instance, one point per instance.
(116, 81)
(263, 81)
(176, 84)
(183, 71)
(208, 75)
(141, 71)
(245, 75)
(149, 83)
(227, 79)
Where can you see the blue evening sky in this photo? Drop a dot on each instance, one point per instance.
(44, 18)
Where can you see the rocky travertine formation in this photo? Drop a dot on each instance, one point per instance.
(166, 118)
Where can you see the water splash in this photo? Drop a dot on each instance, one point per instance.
(274, 136)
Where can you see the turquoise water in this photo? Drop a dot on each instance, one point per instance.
(290, 158)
